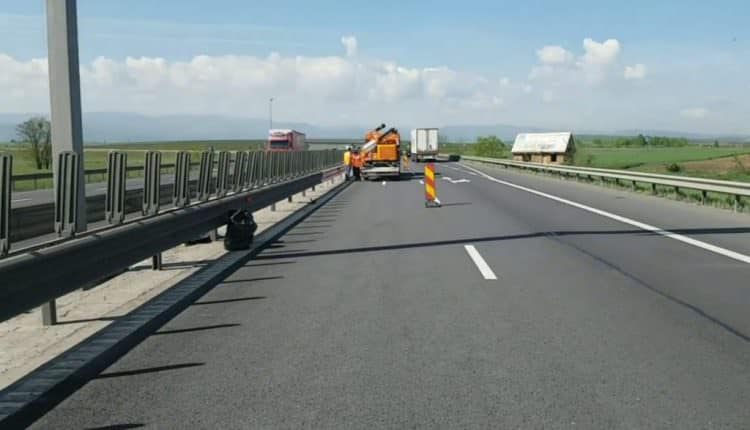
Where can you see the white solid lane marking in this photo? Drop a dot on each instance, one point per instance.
(482, 265)
(666, 233)
(20, 200)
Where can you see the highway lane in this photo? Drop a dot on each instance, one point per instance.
(371, 313)
(37, 197)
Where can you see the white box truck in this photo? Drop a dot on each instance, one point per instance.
(424, 144)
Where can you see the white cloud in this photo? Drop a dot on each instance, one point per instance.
(554, 55)
(307, 88)
(694, 113)
(394, 83)
(558, 67)
(350, 43)
(635, 72)
(600, 53)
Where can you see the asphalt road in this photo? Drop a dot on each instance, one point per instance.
(21, 199)
(373, 314)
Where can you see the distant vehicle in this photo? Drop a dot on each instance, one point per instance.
(424, 144)
(285, 140)
(381, 154)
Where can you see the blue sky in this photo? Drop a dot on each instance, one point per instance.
(439, 62)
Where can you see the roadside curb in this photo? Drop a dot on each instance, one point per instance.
(27, 399)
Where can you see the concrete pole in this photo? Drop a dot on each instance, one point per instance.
(65, 90)
(65, 103)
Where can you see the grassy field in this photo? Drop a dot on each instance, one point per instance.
(95, 156)
(188, 145)
(628, 158)
(468, 149)
(729, 163)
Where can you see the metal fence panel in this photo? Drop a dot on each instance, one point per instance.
(205, 177)
(66, 193)
(6, 187)
(114, 202)
(222, 174)
(238, 174)
(152, 183)
(181, 191)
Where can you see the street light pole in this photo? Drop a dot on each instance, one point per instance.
(270, 113)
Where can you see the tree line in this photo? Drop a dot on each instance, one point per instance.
(641, 141)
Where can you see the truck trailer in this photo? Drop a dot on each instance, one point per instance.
(424, 144)
(285, 140)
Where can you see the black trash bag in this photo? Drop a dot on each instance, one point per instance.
(240, 230)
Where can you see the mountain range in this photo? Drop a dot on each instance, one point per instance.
(102, 127)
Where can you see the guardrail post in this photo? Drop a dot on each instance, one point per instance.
(268, 168)
(253, 168)
(181, 190)
(49, 313)
(238, 173)
(114, 203)
(277, 167)
(222, 174)
(151, 193)
(151, 183)
(6, 188)
(653, 188)
(66, 193)
(271, 167)
(205, 178)
(736, 203)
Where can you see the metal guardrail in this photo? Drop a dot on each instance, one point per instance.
(95, 255)
(732, 188)
(27, 222)
(88, 174)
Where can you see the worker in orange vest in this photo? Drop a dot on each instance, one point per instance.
(348, 162)
(356, 164)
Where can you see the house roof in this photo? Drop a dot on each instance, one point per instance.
(542, 143)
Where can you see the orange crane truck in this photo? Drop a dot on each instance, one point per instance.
(381, 155)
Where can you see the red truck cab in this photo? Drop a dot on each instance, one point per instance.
(285, 140)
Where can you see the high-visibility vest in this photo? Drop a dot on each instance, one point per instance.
(356, 160)
(347, 158)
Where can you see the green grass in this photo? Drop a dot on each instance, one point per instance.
(628, 158)
(186, 145)
(470, 149)
(95, 156)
